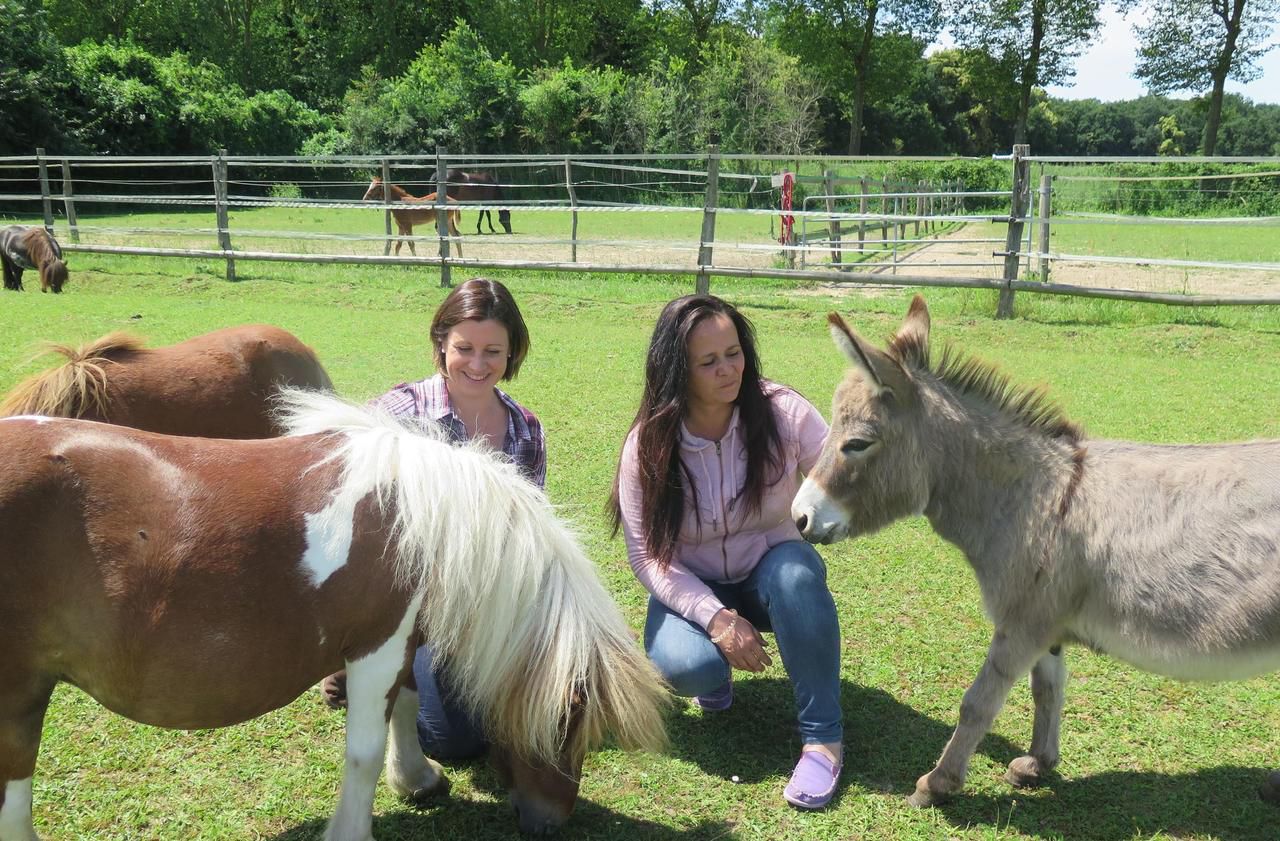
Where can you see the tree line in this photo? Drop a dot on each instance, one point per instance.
(618, 76)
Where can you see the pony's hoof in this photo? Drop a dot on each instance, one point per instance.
(1270, 788)
(422, 796)
(1025, 772)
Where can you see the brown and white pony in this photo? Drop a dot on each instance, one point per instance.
(218, 385)
(195, 583)
(32, 247)
(1167, 557)
(406, 218)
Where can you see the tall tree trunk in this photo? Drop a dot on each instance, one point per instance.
(1231, 20)
(861, 59)
(1030, 70)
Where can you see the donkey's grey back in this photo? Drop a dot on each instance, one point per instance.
(1178, 550)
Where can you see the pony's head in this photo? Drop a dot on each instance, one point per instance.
(504, 219)
(375, 191)
(53, 274)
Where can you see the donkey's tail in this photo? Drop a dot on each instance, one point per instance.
(74, 388)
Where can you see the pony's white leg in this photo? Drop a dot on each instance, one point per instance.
(370, 682)
(15, 812)
(409, 773)
(1009, 657)
(1048, 690)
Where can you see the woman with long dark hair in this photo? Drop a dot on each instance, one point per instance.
(703, 497)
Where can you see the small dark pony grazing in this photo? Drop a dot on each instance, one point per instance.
(219, 385)
(408, 217)
(22, 248)
(478, 187)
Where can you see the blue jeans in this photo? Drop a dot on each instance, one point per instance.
(786, 593)
(445, 731)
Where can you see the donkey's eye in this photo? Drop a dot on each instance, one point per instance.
(856, 445)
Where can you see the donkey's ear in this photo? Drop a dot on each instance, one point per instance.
(858, 352)
(915, 327)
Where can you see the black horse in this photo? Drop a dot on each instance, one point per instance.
(477, 187)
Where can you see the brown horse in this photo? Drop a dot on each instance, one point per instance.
(196, 583)
(406, 218)
(478, 187)
(218, 385)
(32, 247)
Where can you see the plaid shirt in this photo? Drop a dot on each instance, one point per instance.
(525, 442)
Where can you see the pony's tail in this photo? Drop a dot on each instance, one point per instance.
(76, 387)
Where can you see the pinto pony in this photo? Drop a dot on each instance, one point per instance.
(195, 583)
(478, 187)
(1167, 557)
(218, 385)
(407, 217)
(32, 247)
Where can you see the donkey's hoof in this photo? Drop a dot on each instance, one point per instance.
(926, 795)
(1270, 788)
(1025, 772)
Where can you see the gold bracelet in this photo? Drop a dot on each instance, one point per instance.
(723, 635)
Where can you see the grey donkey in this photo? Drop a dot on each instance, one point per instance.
(1167, 557)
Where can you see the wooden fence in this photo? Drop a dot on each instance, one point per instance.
(884, 204)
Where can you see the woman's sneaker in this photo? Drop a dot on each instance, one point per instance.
(813, 782)
(717, 701)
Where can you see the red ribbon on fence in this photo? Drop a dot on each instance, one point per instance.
(788, 221)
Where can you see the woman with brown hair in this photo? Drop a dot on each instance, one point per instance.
(478, 339)
(703, 496)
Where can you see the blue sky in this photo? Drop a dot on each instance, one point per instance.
(1106, 71)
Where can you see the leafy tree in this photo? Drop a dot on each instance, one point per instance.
(1198, 44)
(1171, 137)
(456, 95)
(574, 109)
(844, 42)
(31, 72)
(1035, 41)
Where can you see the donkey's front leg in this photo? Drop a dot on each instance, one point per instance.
(1009, 657)
(372, 682)
(409, 773)
(1048, 690)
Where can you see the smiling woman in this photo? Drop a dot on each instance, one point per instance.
(478, 339)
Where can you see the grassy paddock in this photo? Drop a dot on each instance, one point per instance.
(1143, 757)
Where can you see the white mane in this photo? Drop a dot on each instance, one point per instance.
(514, 608)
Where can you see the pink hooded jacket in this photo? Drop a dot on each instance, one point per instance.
(729, 543)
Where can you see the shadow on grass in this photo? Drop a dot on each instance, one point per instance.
(452, 817)
(888, 745)
(1117, 805)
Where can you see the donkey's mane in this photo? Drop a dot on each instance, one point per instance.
(969, 375)
(512, 605)
(75, 387)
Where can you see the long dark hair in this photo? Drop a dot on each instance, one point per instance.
(663, 476)
(481, 299)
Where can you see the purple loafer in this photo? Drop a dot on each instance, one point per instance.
(813, 782)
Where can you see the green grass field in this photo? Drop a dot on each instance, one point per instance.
(1143, 757)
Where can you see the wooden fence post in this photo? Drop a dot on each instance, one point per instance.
(220, 209)
(46, 200)
(442, 220)
(833, 225)
(862, 211)
(1046, 193)
(68, 202)
(703, 284)
(386, 199)
(573, 213)
(1018, 200)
